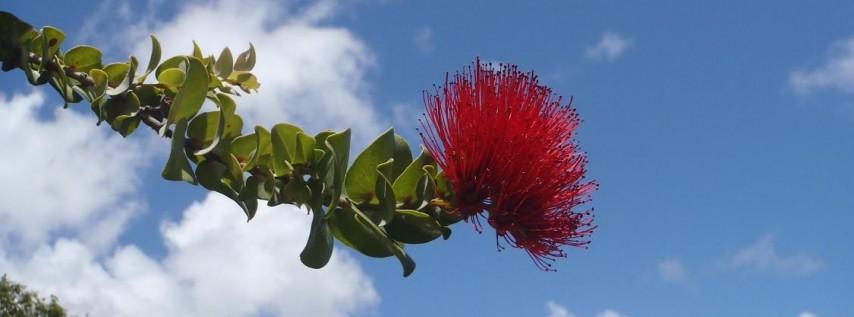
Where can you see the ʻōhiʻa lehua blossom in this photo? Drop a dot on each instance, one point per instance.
(505, 144)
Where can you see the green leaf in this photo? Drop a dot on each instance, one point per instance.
(192, 93)
(172, 79)
(249, 84)
(234, 177)
(100, 78)
(258, 187)
(61, 84)
(323, 164)
(402, 156)
(14, 35)
(148, 94)
(243, 148)
(197, 52)
(284, 140)
(383, 212)
(116, 73)
(296, 191)
(120, 111)
(177, 166)
(443, 187)
(233, 122)
(406, 184)
(153, 61)
(414, 227)
(253, 190)
(202, 132)
(218, 177)
(304, 149)
(339, 145)
(318, 248)
(124, 84)
(48, 42)
(225, 63)
(246, 60)
(83, 58)
(350, 226)
(362, 177)
(446, 193)
(262, 146)
(172, 62)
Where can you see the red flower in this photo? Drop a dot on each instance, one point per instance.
(505, 143)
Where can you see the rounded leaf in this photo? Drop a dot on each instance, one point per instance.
(83, 58)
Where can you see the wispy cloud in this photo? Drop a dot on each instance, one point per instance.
(672, 270)
(423, 39)
(835, 72)
(610, 313)
(763, 256)
(557, 310)
(807, 314)
(610, 47)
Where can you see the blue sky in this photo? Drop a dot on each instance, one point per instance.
(720, 134)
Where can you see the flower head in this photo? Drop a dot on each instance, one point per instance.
(505, 144)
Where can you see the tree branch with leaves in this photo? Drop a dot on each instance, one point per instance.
(477, 127)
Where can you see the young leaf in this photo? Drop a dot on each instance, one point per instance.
(152, 61)
(246, 60)
(197, 52)
(225, 63)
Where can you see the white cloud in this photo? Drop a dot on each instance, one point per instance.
(763, 255)
(836, 72)
(217, 265)
(62, 173)
(70, 176)
(610, 47)
(806, 314)
(311, 75)
(424, 39)
(672, 270)
(610, 313)
(557, 310)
